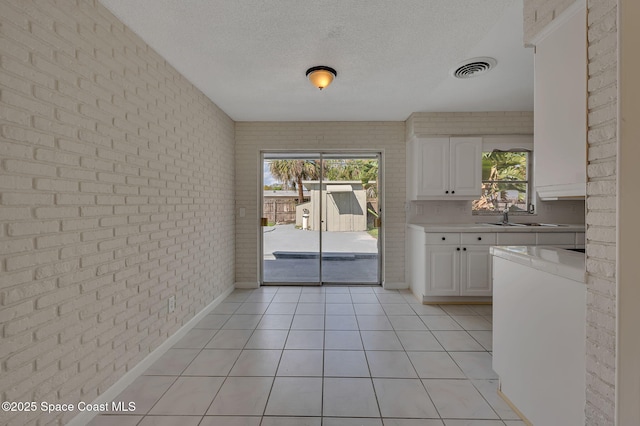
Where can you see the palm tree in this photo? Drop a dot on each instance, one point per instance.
(363, 170)
(292, 172)
(501, 171)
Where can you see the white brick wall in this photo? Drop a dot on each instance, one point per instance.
(252, 137)
(601, 195)
(601, 212)
(470, 123)
(116, 191)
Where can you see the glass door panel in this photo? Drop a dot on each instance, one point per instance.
(350, 243)
(290, 236)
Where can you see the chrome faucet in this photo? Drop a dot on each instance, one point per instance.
(505, 216)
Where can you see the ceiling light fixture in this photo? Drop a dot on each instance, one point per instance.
(321, 76)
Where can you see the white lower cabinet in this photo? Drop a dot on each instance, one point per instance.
(458, 271)
(458, 264)
(443, 270)
(451, 264)
(475, 267)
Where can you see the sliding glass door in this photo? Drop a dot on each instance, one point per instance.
(320, 218)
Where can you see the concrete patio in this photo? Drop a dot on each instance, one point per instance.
(292, 255)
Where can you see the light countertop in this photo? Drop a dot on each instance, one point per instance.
(484, 227)
(556, 261)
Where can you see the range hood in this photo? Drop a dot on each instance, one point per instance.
(569, 191)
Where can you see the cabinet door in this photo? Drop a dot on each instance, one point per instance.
(560, 109)
(475, 270)
(443, 271)
(433, 167)
(465, 174)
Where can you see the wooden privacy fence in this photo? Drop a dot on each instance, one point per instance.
(280, 210)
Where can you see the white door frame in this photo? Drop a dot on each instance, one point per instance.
(319, 155)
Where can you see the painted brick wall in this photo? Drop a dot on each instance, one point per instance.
(470, 123)
(252, 137)
(601, 197)
(116, 191)
(601, 211)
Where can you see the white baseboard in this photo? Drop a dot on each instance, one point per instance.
(395, 285)
(453, 300)
(115, 389)
(247, 284)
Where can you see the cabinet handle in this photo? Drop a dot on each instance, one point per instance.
(458, 249)
(446, 192)
(464, 249)
(479, 238)
(443, 238)
(453, 192)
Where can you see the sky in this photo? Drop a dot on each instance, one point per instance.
(268, 179)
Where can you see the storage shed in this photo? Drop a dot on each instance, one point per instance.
(344, 206)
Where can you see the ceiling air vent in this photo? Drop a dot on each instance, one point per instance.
(473, 67)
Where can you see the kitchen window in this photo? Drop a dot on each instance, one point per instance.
(506, 181)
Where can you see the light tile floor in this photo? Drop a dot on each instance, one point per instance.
(331, 356)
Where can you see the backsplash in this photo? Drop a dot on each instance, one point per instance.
(427, 212)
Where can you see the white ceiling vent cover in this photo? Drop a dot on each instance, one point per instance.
(473, 67)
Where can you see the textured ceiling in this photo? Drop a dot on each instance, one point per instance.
(392, 57)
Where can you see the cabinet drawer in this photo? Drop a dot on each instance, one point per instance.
(557, 238)
(482, 238)
(444, 238)
(516, 239)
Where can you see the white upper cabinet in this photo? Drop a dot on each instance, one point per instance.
(465, 174)
(430, 161)
(444, 168)
(560, 109)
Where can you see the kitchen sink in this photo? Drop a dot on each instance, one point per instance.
(542, 224)
(524, 224)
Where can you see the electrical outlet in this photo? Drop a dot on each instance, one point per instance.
(172, 304)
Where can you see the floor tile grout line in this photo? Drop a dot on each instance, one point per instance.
(273, 382)
(236, 360)
(474, 382)
(470, 380)
(229, 372)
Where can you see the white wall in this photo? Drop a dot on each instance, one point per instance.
(628, 365)
(116, 192)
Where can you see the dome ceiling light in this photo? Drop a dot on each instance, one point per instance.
(321, 76)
